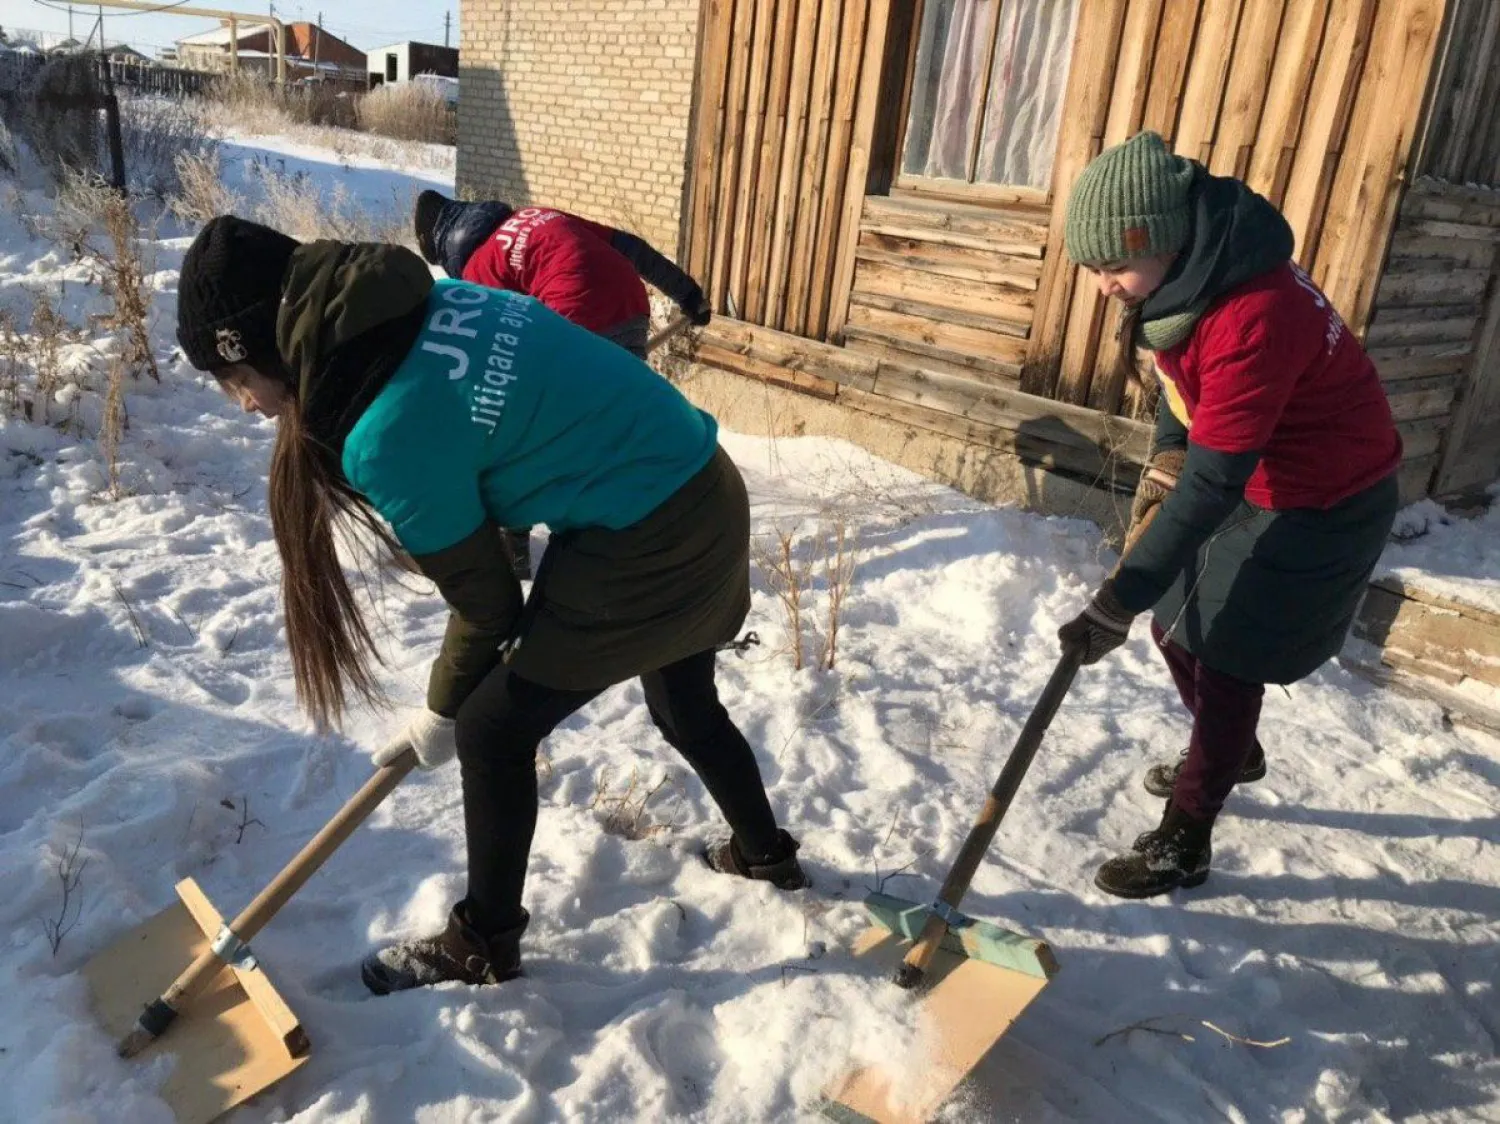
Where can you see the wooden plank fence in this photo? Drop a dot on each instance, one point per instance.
(798, 221)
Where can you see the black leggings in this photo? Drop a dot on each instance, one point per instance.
(500, 726)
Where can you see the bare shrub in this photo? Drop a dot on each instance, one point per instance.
(201, 192)
(789, 579)
(105, 231)
(838, 575)
(411, 111)
(791, 565)
(157, 135)
(69, 869)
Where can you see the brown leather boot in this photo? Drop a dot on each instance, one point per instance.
(781, 868)
(1177, 853)
(459, 952)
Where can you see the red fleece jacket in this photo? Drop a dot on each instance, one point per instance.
(1271, 367)
(565, 262)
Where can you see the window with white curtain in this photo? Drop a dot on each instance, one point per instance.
(987, 86)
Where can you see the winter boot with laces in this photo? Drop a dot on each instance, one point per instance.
(459, 953)
(1162, 778)
(780, 868)
(1176, 853)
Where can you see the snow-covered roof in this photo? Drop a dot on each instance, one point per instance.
(407, 43)
(219, 37)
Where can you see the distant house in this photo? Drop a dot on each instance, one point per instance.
(126, 53)
(311, 51)
(401, 62)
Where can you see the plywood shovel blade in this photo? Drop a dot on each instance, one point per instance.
(238, 1037)
(979, 981)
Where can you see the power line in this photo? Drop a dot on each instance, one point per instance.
(119, 14)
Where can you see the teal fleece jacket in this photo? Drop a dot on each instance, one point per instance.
(505, 412)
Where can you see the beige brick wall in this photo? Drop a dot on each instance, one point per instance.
(580, 104)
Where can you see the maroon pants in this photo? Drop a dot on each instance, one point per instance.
(1225, 713)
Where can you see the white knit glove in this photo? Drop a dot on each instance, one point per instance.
(429, 735)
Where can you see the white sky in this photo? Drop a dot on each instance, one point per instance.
(366, 24)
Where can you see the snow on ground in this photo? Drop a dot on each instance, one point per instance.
(1447, 555)
(148, 719)
(371, 183)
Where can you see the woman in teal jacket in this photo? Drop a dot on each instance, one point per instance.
(435, 414)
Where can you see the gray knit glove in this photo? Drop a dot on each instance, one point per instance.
(1156, 484)
(1102, 627)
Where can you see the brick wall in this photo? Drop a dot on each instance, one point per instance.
(579, 104)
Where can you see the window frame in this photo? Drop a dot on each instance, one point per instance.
(932, 187)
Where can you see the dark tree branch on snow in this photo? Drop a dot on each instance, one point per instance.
(69, 873)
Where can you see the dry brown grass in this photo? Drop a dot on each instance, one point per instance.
(411, 112)
(48, 334)
(293, 203)
(623, 811)
(36, 368)
(13, 364)
(112, 426)
(201, 192)
(103, 228)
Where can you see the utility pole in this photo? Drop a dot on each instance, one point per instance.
(447, 24)
(101, 27)
(70, 21)
(317, 42)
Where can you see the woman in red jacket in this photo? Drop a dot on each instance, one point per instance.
(585, 271)
(1271, 489)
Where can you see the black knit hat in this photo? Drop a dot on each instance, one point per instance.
(229, 293)
(430, 205)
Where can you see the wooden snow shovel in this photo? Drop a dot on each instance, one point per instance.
(237, 1036)
(977, 978)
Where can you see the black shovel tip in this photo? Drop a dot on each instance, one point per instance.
(155, 1019)
(908, 978)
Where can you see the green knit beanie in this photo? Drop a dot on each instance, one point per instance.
(1130, 202)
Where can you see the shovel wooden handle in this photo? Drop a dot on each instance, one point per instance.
(250, 920)
(676, 327)
(917, 961)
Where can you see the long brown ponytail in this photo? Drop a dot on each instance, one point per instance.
(331, 647)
